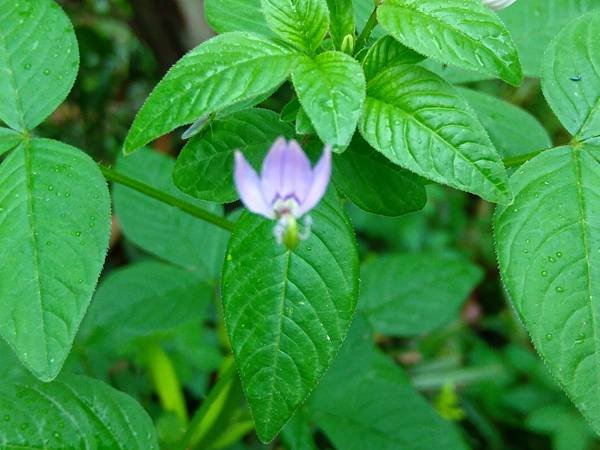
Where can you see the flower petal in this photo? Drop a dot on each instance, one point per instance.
(286, 172)
(498, 4)
(248, 186)
(320, 181)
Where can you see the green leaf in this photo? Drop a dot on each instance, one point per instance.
(302, 23)
(9, 139)
(236, 15)
(331, 89)
(303, 123)
(55, 224)
(374, 183)
(164, 230)
(413, 294)
(219, 73)
(297, 434)
(72, 412)
(571, 77)
(39, 60)
(418, 121)
(366, 402)
(287, 313)
(550, 18)
(145, 299)
(204, 169)
(387, 52)
(460, 32)
(515, 133)
(341, 21)
(547, 244)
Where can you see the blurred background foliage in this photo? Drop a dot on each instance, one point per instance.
(161, 339)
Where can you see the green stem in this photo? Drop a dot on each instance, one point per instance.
(225, 376)
(183, 205)
(365, 34)
(521, 159)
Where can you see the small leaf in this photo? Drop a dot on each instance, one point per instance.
(204, 169)
(219, 73)
(303, 123)
(375, 184)
(551, 17)
(418, 121)
(571, 77)
(302, 23)
(341, 21)
(515, 132)
(366, 402)
(164, 230)
(331, 89)
(413, 294)
(39, 60)
(460, 32)
(547, 244)
(55, 224)
(72, 412)
(287, 313)
(143, 300)
(385, 53)
(9, 139)
(236, 15)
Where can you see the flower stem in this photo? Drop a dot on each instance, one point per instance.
(365, 34)
(163, 197)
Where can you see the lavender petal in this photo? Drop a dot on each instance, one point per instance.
(248, 186)
(320, 181)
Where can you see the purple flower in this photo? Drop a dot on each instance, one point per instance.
(287, 189)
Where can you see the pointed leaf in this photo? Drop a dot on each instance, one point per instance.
(302, 23)
(219, 73)
(164, 230)
(331, 89)
(55, 224)
(204, 169)
(385, 53)
(460, 32)
(72, 412)
(374, 183)
(571, 77)
(341, 21)
(547, 243)
(418, 121)
(287, 313)
(39, 60)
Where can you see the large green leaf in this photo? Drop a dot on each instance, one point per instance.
(236, 15)
(420, 122)
(55, 224)
(341, 21)
(204, 169)
(514, 132)
(412, 294)
(331, 89)
(387, 52)
(221, 72)
(547, 244)
(550, 17)
(366, 402)
(460, 32)
(9, 139)
(164, 230)
(145, 299)
(72, 412)
(302, 23)
(374, 183)
(288, 312)
(39, 59)
(571, 77)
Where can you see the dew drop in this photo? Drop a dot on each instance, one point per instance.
(560, 289)
(50, 188)
(559, 254)
(544, 273)
(48, 243)
(6, 418)
(46, 72)
(27, 66)
(77, 233)
(551, 259)
(549, 336)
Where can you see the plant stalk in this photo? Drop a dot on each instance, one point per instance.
(365, 34)
(168, 199)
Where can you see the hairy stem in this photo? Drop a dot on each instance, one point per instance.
(156, 194)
